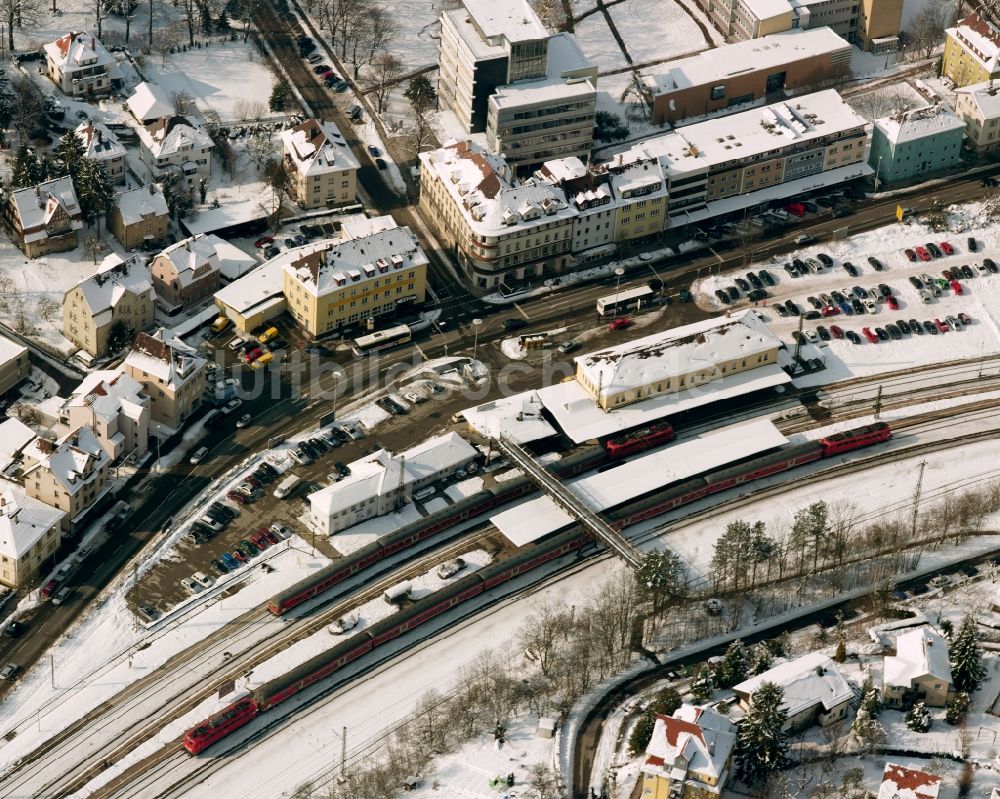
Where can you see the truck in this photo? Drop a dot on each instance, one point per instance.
(287, 486)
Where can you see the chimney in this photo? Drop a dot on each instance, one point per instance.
(93, 43)
(152, 190)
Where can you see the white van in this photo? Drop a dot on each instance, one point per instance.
(287, 486)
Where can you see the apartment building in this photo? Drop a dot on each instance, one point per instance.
(30, 534)
(101, 145)
(140, 218)
(589, 191)
(689, 755)
(915, 143)
(322, 168)
(502, 230)
(14, 364)
(332, 285)
(119, 291)
(175, 145)
(70, 474)
(80, 65)
(187, 271)
(978, 106)
(676, 360)
(112, 404)
(500, 72)
(745, 72)
(171, 374)
(971, 51)
(878, 30)
(44, 219)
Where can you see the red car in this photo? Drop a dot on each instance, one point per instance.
(260, 542)
(620, 323)
(263, 241)
(796, 209)
(830, 310)
(956, 287)
(910, 254)
(965, 319)
(271, 537)
(891, 302)
(941, 326)
(868, 334)
(946, 248)
(327, 72)
(50, 588)
(836, 332)
(922, 254)
(254, 354)
(238, 498)
(239, 556)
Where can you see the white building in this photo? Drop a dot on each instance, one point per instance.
(322, 168)
(101, 145)
(979, 107)
(175, 145)
(80, 66)
(15, 435)
(112, 404)
(29, 535)
(814, 691)
(149, 103)
(382, 482)
(920, 671)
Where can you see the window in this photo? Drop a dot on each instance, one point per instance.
(718, 92)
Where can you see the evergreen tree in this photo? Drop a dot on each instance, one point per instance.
(702, 683)
(841, 654)
(26, 168)
(734, 666)
(120, 336)
(206, 19)
(641, 733)
(280, 96)
(420, 92)
(69, 154)
(871, 700)
(967, 669)
(6, 114)
(867, 730)
(761, 743)
(958, 709)
(222, 21)
(760, 659)
(94, 191)
(666, 702)
(918, 719)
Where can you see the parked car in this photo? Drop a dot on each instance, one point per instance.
(972, 244)
(621, 323)
(850, 268)
(933, 249)
(792, 308)
(230, 562)
(567, 347)
(892, 302)
(991, 265)
(965, 318)
(868, 334)
(876, 264)
(853, 337)
(263, 241)
(9, 672)
(910, 254)
(956, 287)
(374, 151)
(198, 456)
(931, 328)
(916, 327)
(722, 296)
(967, 272)
(946, 248)
(922, 253)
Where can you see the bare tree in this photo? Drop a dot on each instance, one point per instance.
(544, 631)
(386, 71)
(94, 246)
(420, 133)
(190, 10)
(101, 11)
(48, 309)
(250, 110)
(551, 13)
(372, 32)
(881, 103)
(259, 147)
(926, 31)
(27, 106)
(126, 10)
(183, 102)
(20, 14)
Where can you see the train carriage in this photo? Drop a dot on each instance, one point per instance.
(772, 463)
(313, 670)
(325, 579)
(864, 436)
(219, 725)
(424, 609)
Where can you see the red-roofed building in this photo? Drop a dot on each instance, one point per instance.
(79, 65)
(899, 782)
(689, 755)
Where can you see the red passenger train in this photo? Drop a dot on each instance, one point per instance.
(639, 440)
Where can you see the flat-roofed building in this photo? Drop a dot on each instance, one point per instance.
(914, 143)
(745, 72)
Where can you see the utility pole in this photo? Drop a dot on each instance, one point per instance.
(52, 669)
(343, 753)
(916, 499)
(878, 401)
(796, 357)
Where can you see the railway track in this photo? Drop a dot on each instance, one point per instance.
(169, 691)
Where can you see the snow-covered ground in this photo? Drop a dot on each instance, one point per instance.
(653, 30)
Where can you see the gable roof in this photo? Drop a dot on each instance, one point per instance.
(806, 681)
(165, 360)
(74, 460)
(23, 520)
(99, 142)
(36, 207)
(78, 50)
(109, 393)
(922, 652)
(169, 135)
(114, 279)
(192, 258)
(315, 147)
(139, 204)
(149, 102)
(696, 735)
(899, 782)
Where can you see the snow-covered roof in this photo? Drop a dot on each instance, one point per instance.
(919, 123)
(981, 39)
(114, 279)
(518, 418)
(264, 285)
(566, 63)
(765, 9)
(738, 59)
(76, 51)
(140, 203)
(99, 142)
(359, 226)
(15, 435)
(986, 97)
(23, 520)
(108, 393)
(316, 148)
(701, 737)
(531, 520)
(170, 135)
(352, 262)
(165, 360)
(919, 653)
(149, 102)
(697, 147)
(192, 258)
(807, 681)
(75, 460)
(899, 782)
(378, 474)
(484, 191)
(36, 206)
(10, 349)
(677, 351)
(514, 20)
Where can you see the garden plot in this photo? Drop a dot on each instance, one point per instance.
(655, 31)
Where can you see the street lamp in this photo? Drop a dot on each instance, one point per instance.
(618, 272)
(476, 323)
(878, 167)
(444, 338)
(336, 377)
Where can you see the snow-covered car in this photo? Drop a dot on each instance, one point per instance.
(450, 568)
(926, 296)
(191, 586)
(870, 306)
(343, 624)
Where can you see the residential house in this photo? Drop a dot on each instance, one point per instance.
(321, 166)
(101, 145)
(149, 102)
(382, 482)
(971, 51)
(14, 364)
(920, 671)
(80, 66)
(121, 290)
(815, 692)
(915, 143)
(173, 145)
(187, 271)
(15, 435)
(172, 375)
(30, 534)
(70, 474)
(44, 219)
(978, 106)
(140, 218)
(899, 782)
(114, 406)
(689, 755)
